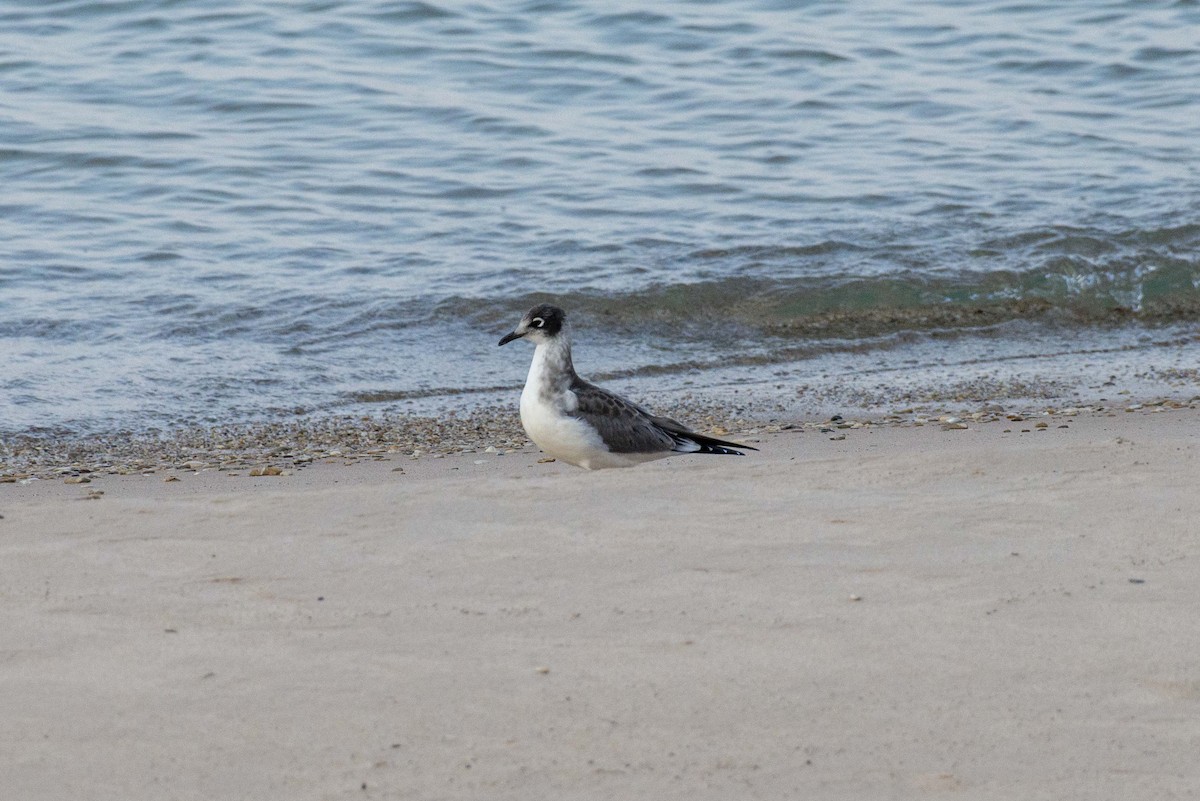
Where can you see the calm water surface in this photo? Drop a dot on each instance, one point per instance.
(218, 211)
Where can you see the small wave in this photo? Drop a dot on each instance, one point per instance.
(1068, 288)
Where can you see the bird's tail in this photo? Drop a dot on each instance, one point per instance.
(688, 441)
(698, 443)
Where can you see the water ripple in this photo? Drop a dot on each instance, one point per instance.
(230, 206)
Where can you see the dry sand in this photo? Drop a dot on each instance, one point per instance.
(909, 612)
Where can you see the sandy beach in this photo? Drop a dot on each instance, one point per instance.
(989, 609)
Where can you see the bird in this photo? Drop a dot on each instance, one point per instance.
(585, 425)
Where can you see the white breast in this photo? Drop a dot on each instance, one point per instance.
(546, 403)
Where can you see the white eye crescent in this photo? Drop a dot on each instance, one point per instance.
(538, 322)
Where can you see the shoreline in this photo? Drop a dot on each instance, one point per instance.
(1021, 369)
(425, 446)
(289, 447)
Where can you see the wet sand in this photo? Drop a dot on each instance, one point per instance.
(980, 608)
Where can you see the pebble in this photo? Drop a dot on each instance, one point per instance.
(171, 478)
(77, 480)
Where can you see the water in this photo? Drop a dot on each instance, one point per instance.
(222, 211)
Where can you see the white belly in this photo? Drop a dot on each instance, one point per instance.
(546, 409)
(571, 439)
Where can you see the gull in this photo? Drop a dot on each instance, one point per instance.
(583, 424)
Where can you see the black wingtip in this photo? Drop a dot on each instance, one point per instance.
(721, 450)
(703, 443)
(719, 446)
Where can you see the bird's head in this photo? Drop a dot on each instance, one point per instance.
(540, 324)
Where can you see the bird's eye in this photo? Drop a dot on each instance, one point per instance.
(538, 322)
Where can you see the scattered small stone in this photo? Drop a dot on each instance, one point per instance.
(541, 669)
(545, 460)
(77, 480)
(169, 479)
(1137, 581)
(954, 426)
(855, 597)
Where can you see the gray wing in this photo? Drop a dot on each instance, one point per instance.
(624, 426)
